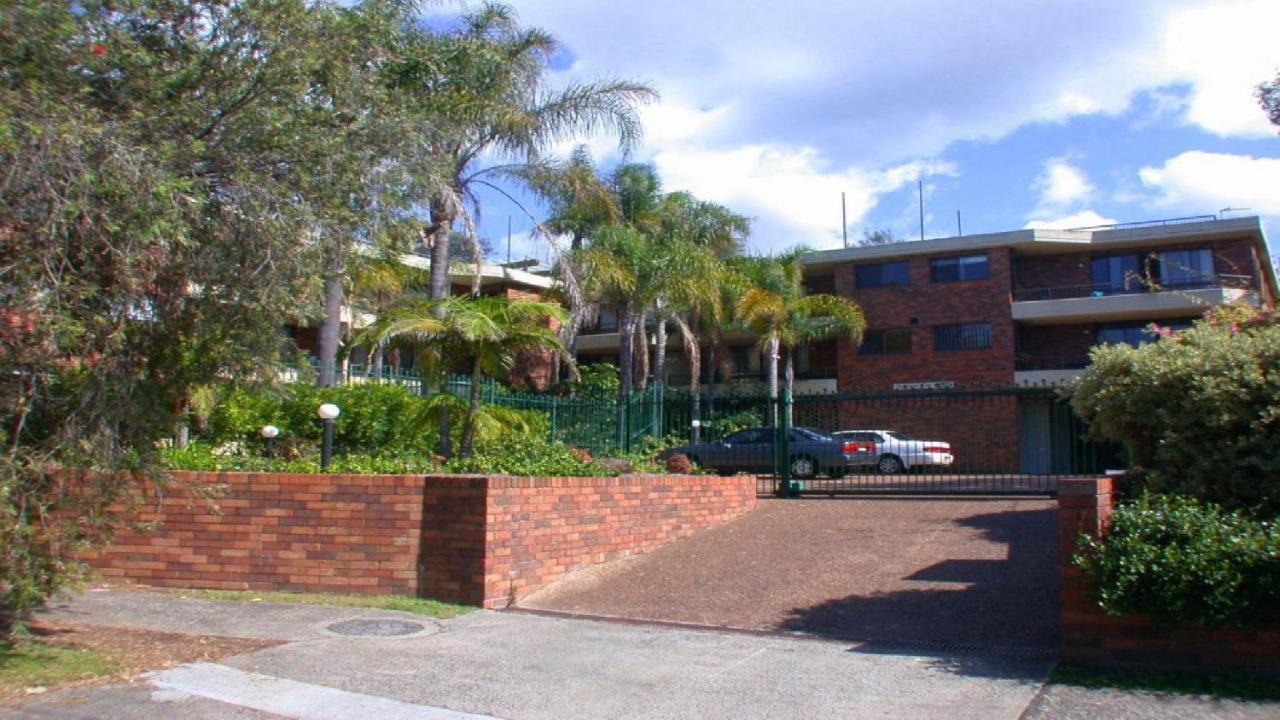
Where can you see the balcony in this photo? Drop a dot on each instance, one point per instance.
(1132, 300)
(1048, 369)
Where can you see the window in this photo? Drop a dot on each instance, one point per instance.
(973, 336)
(746, 360)
(961, 267)
(607, 320)
(883, 274)
(748, 436)
(886, 342)
(1135, 334)
(1186, 268)
(1117, 274)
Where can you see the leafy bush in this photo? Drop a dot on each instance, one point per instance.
(598, 380)
(524, 455)
(1178, 560)
(1199, 409)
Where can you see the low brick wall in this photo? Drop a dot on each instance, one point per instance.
(470, 539)
(1091, 637)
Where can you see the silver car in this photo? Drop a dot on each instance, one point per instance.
(897, 452)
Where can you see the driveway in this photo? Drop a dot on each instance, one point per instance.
(923, 574)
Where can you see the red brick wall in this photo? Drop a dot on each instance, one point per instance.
(1090, 636)
(469, 539)
(972, 301)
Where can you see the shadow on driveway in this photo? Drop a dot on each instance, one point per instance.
(921, 576)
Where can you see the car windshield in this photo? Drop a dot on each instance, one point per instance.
(897, 435)
(812, 434)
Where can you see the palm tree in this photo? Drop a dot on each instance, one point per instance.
(492, 98)
(616, 271)
(489, 333)
(778, 312)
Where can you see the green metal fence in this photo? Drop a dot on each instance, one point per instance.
(603, 426)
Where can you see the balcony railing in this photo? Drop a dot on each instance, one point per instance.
(1134, 286)
(1051, 362)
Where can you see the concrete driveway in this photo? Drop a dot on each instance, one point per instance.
(513, 665)
(925, 575)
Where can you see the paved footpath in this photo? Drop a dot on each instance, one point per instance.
(517, 665)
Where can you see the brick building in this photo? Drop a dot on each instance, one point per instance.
(1023, 308)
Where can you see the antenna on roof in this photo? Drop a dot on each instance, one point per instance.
(920, 190)
(844, 222)
(508, 239)
(959, 230)
(1226, 210)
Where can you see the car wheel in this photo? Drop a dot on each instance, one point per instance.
(803, 467)
(889, 465)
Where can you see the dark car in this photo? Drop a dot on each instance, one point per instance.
(809, 452)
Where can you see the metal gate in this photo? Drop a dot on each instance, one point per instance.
(989, 441)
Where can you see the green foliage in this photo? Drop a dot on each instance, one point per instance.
(1199, 409)
(524, 455)
(1179, 560)
(599, 380)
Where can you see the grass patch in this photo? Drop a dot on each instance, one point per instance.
(30, 663)
(1240, 686)
(417, 606)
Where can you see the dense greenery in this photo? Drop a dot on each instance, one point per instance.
(1177, 559)
(1199, 409)
(1199, 413)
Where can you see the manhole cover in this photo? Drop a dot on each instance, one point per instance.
(375, 628)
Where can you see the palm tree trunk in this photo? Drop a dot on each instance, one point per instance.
(626, 330)
(437, 234)
(695, 371)
(771, 359)
(641, 351)
(331, 328)
(660, 350)
(473, 411)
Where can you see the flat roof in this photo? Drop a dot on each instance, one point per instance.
(1049, 241)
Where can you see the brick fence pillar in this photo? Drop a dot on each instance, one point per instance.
(1084, 507)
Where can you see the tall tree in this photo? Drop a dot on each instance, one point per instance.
(1269, 98)
(172, 173)
(780, 314)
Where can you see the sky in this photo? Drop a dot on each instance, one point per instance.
(1013, 113)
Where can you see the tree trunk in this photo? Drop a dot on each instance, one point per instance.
(711, 381)
(626, 331)
(660, 350)
(641, 352)
(695, 391)
(331, 329)
(473, 411)
(437, 234)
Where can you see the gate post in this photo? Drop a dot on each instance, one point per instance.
(782, 447)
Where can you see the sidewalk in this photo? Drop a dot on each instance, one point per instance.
(518, 665)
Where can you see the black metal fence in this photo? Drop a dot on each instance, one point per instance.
(1003, 440)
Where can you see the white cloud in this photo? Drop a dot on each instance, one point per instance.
(1224, 49)
(1062, 184)
(1082, 219)
(1205, 182)
(791, 191)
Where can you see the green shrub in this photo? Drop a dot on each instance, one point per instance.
(1199, 410)
(1179, 560)
(525, 455)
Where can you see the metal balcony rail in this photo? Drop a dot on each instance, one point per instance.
(1150, 223)
(1133, 286)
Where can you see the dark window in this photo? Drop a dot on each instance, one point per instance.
(883, 274)
(607, 320)
(973, 336)
(1136, 334)
(961, 267)
(886, 342)
(1186, 268)
(1117, 274)
(742, 359)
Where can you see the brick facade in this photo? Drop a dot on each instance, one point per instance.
(1090, 636)
(470, 539)
(922, 305)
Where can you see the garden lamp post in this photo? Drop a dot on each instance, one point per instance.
(269, 433)
(327, 413)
